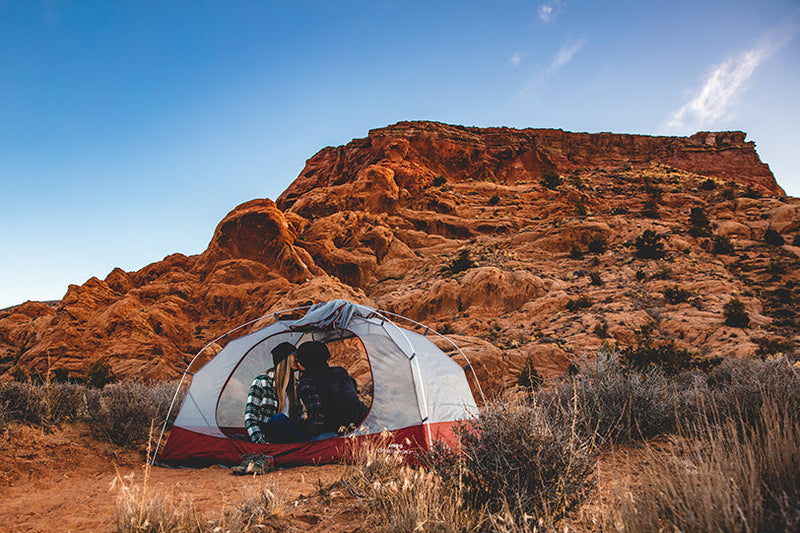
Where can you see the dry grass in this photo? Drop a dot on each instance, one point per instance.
(262, 508)
(403, 497)
(736, 475)
(515, 470)
(144, 508)
(121, 412)
(418, 499)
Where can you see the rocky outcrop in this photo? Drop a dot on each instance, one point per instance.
(455, 227)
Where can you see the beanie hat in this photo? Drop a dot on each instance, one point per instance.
(313, 355)
(282, 351)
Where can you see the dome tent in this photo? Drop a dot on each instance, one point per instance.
(419, 392)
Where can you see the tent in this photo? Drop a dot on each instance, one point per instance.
(419, 392)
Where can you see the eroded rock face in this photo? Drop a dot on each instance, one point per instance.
(455, 227)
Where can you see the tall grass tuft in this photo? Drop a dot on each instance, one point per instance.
(262, 508)
(418, 499)
(144, 508)
(738, 475)
(406, 498)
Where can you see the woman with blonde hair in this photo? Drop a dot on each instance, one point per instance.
(271, 410)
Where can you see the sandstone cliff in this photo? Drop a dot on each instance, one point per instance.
(488, 234)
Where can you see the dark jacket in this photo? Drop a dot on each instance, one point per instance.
(331, 400)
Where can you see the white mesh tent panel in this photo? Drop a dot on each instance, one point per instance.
(394, 403)
(446, 388)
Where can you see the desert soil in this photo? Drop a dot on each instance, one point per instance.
(63, 479)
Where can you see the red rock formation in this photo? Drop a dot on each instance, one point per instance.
(453, 226)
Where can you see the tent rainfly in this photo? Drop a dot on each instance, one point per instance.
(419, 392)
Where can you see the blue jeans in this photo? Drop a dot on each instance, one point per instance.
(280, 429)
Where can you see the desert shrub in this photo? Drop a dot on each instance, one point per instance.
(529, 378)
(551, 179)
(598, 244)
(596, 279)
(515, 459)
(752, 192)
(649, 246)
(665, 356)
(708, 185)
(698, 223)
(676, 295)
(664, 272)
(650, 208)
(446, 329)
(773, 238)
(439, 180)
(461, 263)
(613, 404)
(581, 302)
(100, 374)
(729, 190)
(736, 476)
(735, 314)
(721, 245)
(67, 402)
(124, 412)
(22, 402)
(770, 346)
(494, 200)
(575, 252)
(43, 403)
(653, 190)
(740, 387)
(580, 209)
(601, 330)
(796, 240)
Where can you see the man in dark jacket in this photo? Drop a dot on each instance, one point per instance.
(328, 393)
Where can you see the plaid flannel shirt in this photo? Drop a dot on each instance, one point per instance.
(262, 404)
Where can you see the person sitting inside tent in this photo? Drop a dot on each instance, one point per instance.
(272, 407)
(329, 394)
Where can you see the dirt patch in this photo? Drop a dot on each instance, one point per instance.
(63, 479)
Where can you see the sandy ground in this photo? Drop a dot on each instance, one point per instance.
(64, 480)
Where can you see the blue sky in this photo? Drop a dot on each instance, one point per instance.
(129, 129)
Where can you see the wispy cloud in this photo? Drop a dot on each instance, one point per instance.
(726, 82)
(515, 59)
(565, 54)
(559, 60)
(549, 10)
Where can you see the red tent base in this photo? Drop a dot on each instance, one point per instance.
(190, 448)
